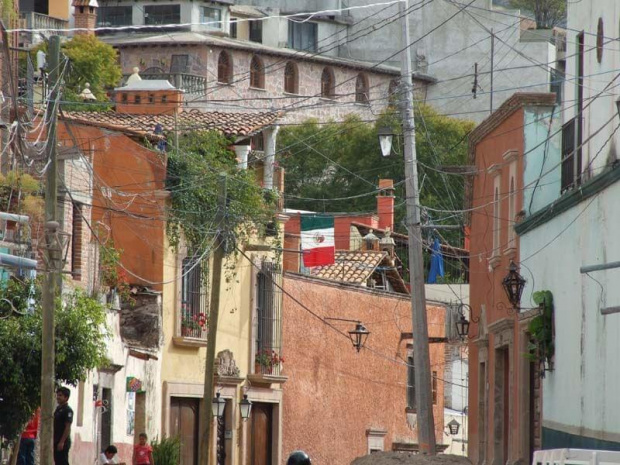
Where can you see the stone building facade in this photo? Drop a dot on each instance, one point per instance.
(193, 62)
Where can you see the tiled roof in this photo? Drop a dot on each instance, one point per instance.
(231, 124)
(350, 267)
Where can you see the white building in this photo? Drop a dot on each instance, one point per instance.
(573, 224)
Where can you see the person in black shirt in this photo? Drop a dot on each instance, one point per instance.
(63, 417)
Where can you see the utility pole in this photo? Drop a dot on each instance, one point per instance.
(214, 311)
(421, 356)
(492, 66)
(52, 260)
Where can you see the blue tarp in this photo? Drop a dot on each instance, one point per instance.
(436, 263)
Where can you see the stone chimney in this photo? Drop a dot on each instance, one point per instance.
(85, 14)
(385, 204)
(148, 96)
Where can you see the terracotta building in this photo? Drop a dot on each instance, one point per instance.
(340, 404)
(504, 387)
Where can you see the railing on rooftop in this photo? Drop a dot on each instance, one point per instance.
(190, 83)
(47, 24)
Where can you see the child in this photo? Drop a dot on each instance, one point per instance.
(142, 452)
(108, 456)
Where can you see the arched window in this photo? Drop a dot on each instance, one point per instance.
(257, 73)
(224, 68)
(328, 88)
(496, 223)
(291, 78)
(362, 89)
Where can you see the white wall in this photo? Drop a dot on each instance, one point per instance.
(580, 395)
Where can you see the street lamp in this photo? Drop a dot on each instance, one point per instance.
(513, 284)
(359, 335)
(386, 135)
(462, 324)
(217, 405)
(246, 407)
(453, 427)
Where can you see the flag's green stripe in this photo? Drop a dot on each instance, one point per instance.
(309, 223)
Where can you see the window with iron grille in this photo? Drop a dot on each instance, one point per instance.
(327, 83)
(224, 68)
(114, 16)
(410, 383)
(256, 31)
(233, 28)
(76, 242)
(571, 155)
(269, 318)
(162, 14)
(361, 88)
(257, 73)
(302, 36)
(434, 384)
(291, 78)
(194, 297)
(212, 17)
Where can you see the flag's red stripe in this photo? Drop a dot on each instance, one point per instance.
(319, 256)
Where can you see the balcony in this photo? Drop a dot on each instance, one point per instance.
(48, 24)
(192, 84)
(571, 154)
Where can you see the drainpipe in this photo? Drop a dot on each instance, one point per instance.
(17, 262)
(270, 156)
(242, 152)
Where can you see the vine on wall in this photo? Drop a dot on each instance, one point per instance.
(542, 332)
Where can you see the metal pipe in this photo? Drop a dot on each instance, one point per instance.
(17, 262)
(604, 266)
(22, 219)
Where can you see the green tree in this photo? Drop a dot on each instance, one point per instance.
(193, 177)
(90, 61)
(548, 13)
(336, 167)
(80, 347)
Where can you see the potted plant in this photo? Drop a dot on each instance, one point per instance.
(192, 325)
(266, 360)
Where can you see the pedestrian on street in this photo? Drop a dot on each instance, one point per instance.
(142, 452)
(63, 417)
(27, 440)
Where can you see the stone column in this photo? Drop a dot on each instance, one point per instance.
(242, 152)
(270, 156)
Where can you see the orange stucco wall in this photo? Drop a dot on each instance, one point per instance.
(489, 302)
(334, 395)
(127, 203)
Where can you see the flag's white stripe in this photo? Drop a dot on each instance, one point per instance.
(308, 238)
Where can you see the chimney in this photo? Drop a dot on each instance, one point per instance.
(85, 14)
(385, 204)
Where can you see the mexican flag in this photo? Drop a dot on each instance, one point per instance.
(317, 240)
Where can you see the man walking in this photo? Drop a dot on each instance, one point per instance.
(63, 417)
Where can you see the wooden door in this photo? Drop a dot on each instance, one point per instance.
(259, 450)
(184, 413)
(106, 418)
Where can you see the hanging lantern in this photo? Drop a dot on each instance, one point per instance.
(386, 136)
(462, 326)
(218, 404)
(246, 407)
(358, 336)
(513, 284)
(454, 427)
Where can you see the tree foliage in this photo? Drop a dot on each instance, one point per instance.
(336, 167)
(90, 61)
(548, 13)
(80, 347)
(193, 181)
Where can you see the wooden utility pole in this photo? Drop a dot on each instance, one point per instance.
(52, 260)
(421, 353)
(206, 413)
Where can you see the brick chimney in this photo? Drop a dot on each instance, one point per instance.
(385, 204)
(85, 14)
(148, 97)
